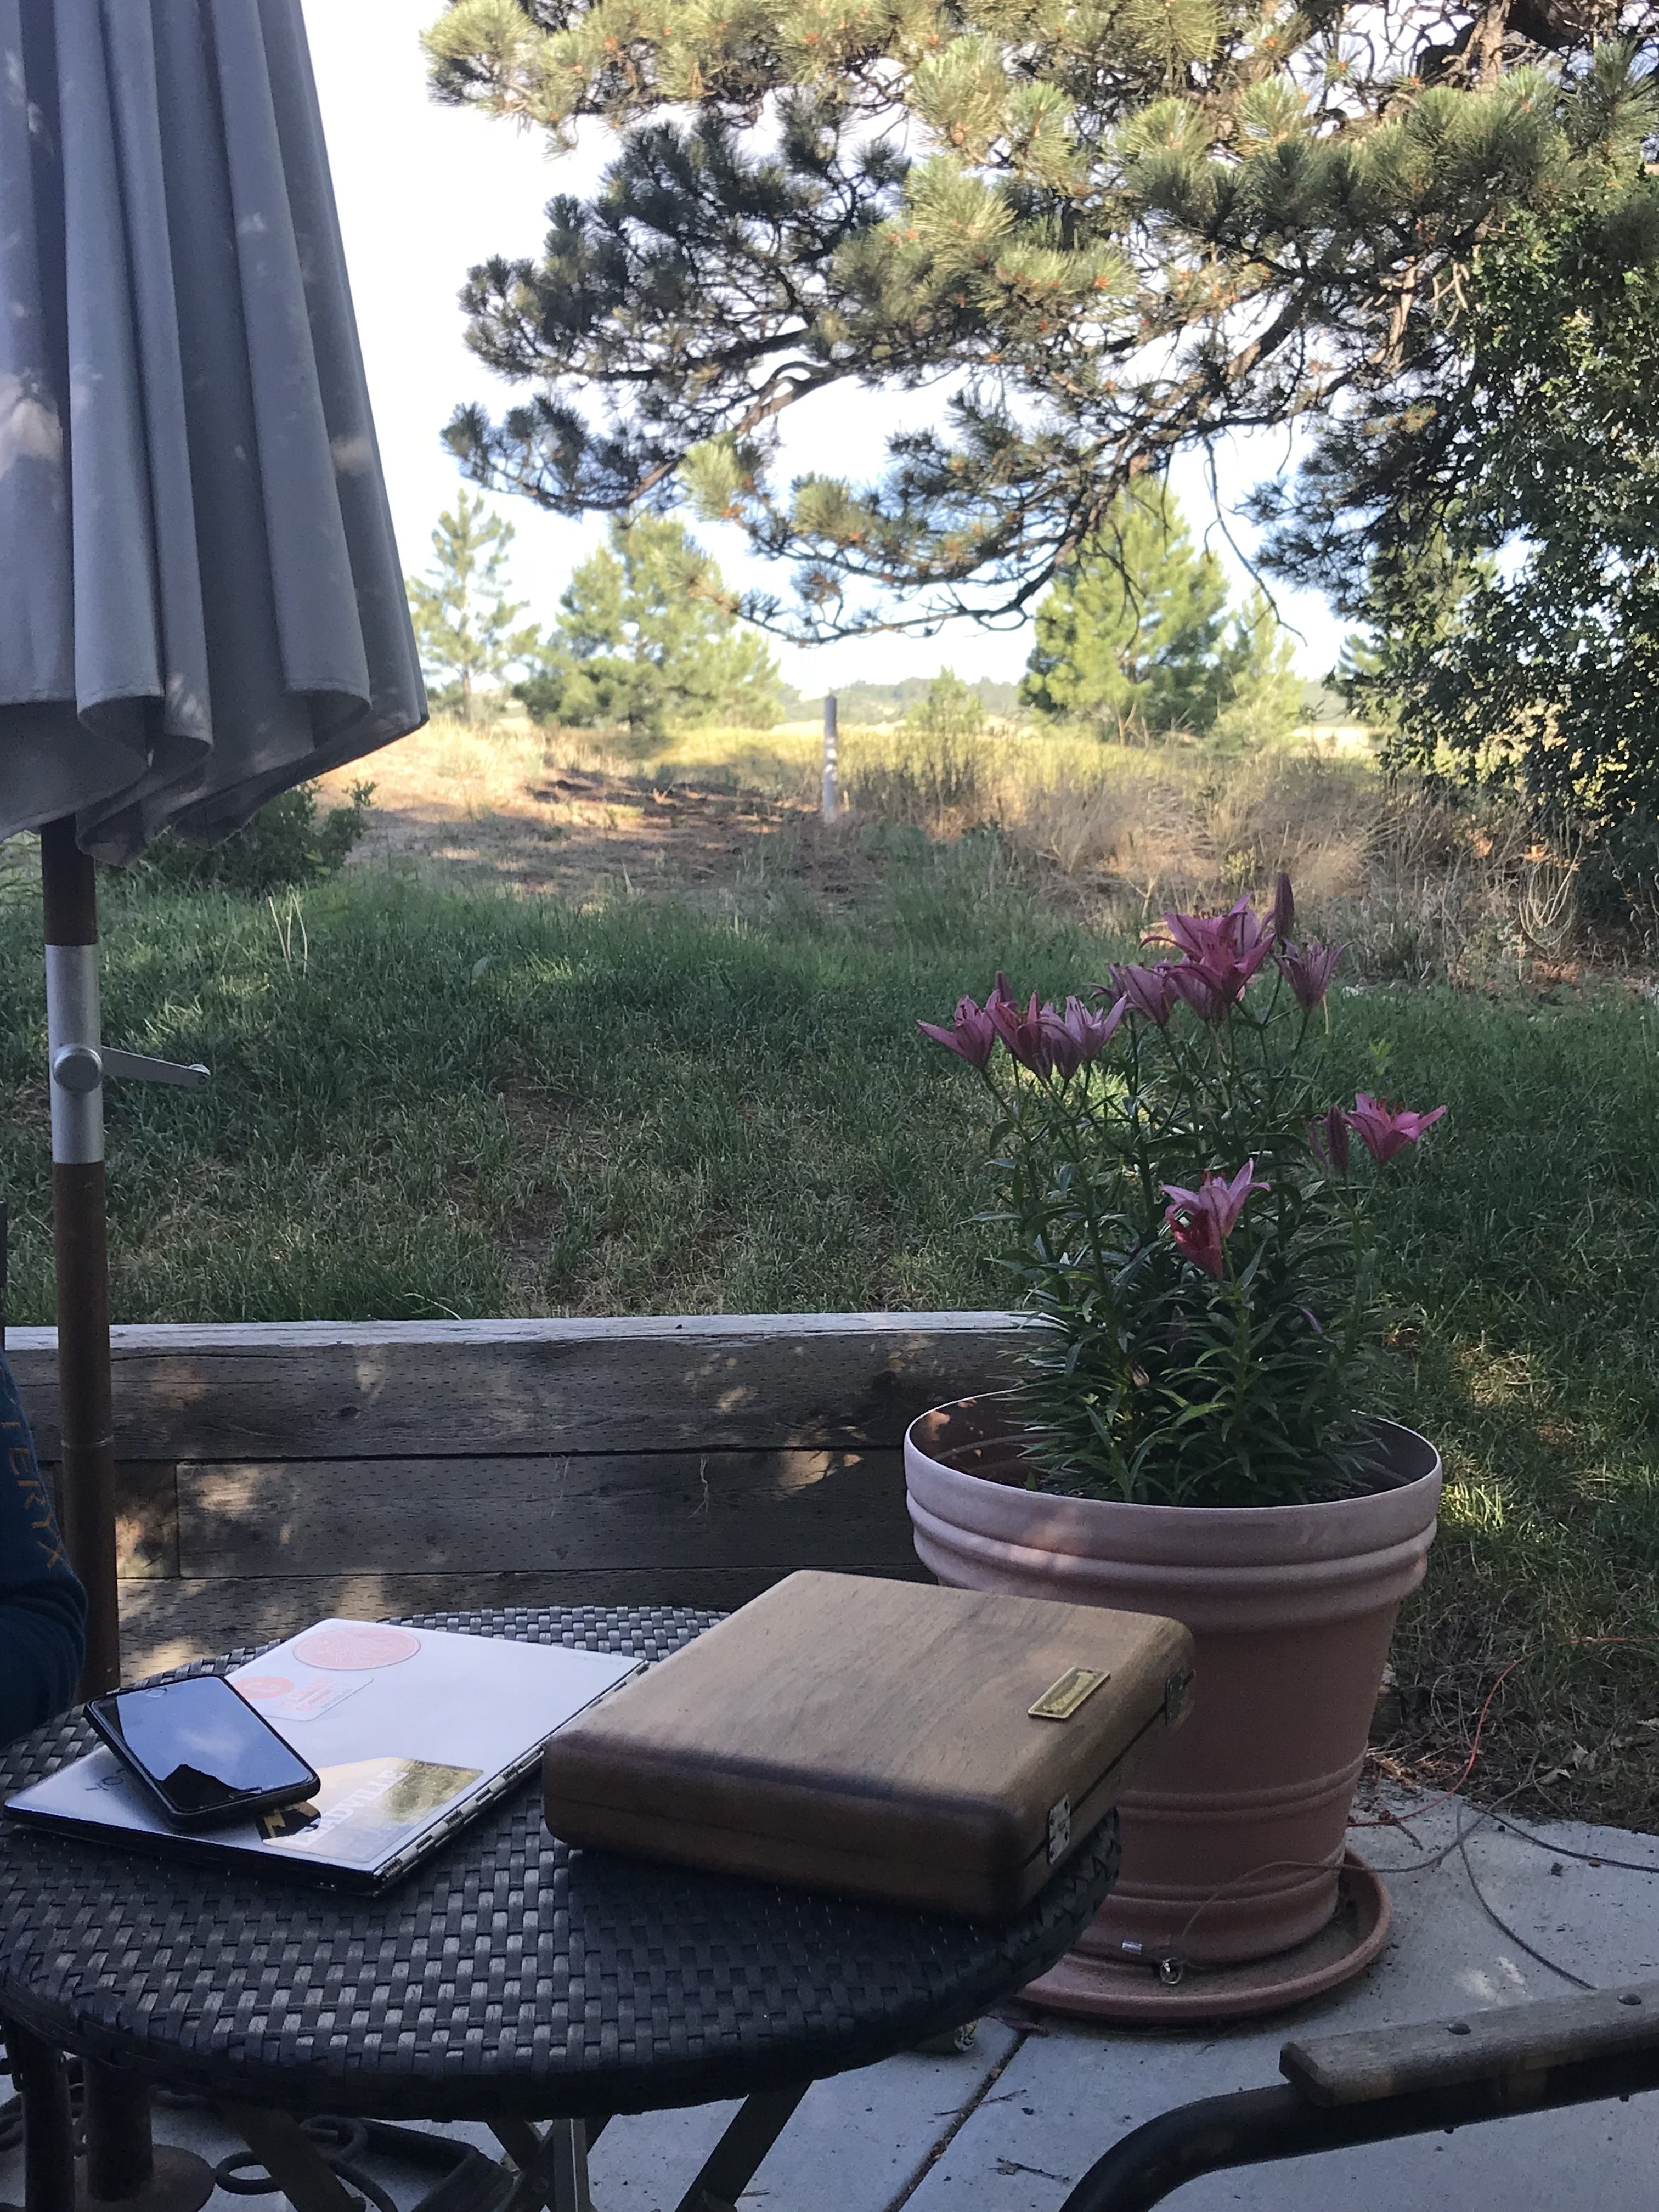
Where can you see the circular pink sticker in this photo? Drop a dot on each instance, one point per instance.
(355, 1650)
(263, 1686)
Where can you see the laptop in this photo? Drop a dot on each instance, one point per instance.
(414, 1731)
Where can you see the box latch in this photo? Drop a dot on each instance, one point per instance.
(1060, 1830)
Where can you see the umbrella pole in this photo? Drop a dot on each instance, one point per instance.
(69, 898)
(124, 2166)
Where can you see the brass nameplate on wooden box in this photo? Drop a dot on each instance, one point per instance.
(1062, 1699)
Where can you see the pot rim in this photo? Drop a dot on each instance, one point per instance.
(1407, 1488)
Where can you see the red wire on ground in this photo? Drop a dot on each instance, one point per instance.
(1576, 1644)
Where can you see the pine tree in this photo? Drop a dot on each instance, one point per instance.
(1499, 537)
(1131, 639)
(1109, 232)
(462, 618)
(950, 711)
(646, 637)
(1261, 701)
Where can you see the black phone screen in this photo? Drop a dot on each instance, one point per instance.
(202, 1748)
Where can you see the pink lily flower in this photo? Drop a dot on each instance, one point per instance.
(1026, 1033)
(1080, 1034)
(1201, 1220)
(1385, 1130)
(1329, 1138)
(1065, 1045)
(1209, 985)
(1147, 991)
(1192, 981)
(1223, 951)
(1239, 931)
(972, 1034)
(1308, 970)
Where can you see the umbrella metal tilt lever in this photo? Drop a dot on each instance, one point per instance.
(81, 1064)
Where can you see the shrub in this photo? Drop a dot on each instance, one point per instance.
(284, 847)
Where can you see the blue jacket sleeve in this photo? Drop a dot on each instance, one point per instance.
(43, 1608)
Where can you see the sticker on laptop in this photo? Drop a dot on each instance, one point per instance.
(295, 1694)
(356, 1647)
(368, 1808)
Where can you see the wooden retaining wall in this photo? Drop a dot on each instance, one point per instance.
(271, 1474)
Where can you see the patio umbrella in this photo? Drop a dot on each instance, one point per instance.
(202, 602)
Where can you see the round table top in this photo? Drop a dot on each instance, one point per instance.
(507, 1974)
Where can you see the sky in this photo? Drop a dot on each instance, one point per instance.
(425, 191)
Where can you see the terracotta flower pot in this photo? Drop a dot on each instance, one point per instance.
(1233, 1837)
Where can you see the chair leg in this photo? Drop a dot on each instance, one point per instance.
(120, 2148)
(48, 2132)
(554, 2173)
(732, 2164)
(291, 2159)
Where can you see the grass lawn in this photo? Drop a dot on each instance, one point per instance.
(429, 1104)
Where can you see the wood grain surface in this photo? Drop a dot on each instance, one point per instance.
(1517, 2040)
(271, 1473)
(777, 1509)
(842, 1730)
(431, 1390)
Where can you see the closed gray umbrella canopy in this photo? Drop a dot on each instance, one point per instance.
(201, 602)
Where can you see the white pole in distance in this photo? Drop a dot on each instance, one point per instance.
(831, 789)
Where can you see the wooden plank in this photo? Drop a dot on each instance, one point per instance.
(146, 1519)
(1515, 2040)
(423, 1389)
(165, 1623)
(772, 1510)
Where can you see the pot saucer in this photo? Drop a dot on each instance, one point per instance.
(1092, 1988)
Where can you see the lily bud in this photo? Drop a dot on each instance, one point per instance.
(1284, 908)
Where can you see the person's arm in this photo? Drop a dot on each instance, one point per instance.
(43, 1608)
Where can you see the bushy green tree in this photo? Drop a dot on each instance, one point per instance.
(646, 636)
(1132, 637)
(1262, 694)
(464, 620)
(1499, 535)
(1105, 231)
(949, 709)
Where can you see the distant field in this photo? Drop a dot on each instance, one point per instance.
(717, 819)
(645, 1097)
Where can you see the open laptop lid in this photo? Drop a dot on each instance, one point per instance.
(413, 1730)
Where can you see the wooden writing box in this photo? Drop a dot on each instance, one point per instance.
(876, 1737)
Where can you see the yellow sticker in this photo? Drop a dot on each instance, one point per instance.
(368, 1808)
(1061, 1698)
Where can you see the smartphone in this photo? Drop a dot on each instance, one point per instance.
(202, 1751)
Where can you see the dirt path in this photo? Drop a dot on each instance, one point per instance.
(499, 811)
(504, 811)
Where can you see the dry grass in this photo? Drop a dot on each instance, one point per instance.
(1418, 888)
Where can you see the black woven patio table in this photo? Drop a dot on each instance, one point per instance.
(507, 1980)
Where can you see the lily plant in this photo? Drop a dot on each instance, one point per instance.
(1189, 1216)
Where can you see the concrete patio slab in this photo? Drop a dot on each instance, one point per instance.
(1069, 2094)
(1010, 2126)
